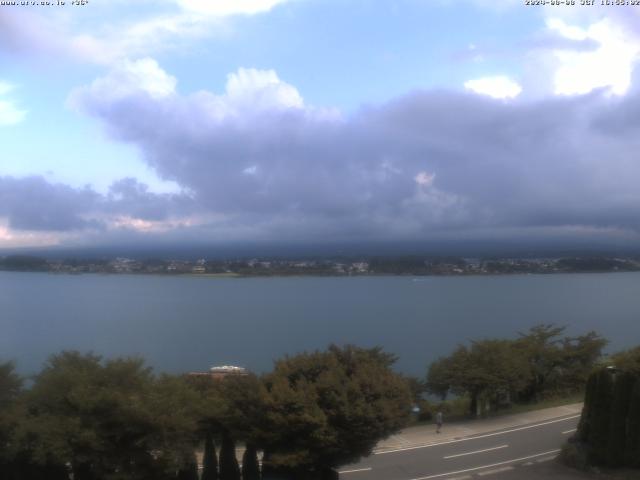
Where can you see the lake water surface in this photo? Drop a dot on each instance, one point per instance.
(190, 323)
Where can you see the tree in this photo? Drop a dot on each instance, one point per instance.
(108, 420)
(250, 466)
(10, 385)
(539, 363)
(541, 347)
(627, 360)
(209, 461)
(229, 468)
(10, 389)
(417, 388)
(557, 364)
(444, 372)
(579, 357)
(609, 429)
(243, 406)
(489, 372)
(189, 469)
(329, 408)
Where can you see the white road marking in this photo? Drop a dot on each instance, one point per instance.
(477, 451)
(546, 459)
(356, 470)
(569, 431)
(495, 470)
(515, 460)
(477, 437)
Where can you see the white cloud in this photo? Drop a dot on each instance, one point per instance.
(610, 65)
(5, 88)
(261, 89)
(229, 7)
(9, 113)
(496, 87)
(130, 77)
(102, 40)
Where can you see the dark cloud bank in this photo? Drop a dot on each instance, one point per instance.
(429, 166)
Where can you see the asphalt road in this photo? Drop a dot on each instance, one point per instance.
(469, 457)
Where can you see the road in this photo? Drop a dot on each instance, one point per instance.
(469, 457)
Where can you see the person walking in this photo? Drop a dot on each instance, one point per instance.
(438, 421)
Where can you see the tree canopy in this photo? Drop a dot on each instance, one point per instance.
(330, 408)
(628, 360)
(100, 419)
(538, 363)
(107, 419)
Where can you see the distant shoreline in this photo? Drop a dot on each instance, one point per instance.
(411, 266)
(311, 275)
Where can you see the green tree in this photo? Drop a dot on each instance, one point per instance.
(540, 362)
(250, 466)
(10, 385)
(189, 469)
(541, 346)
(445, 372)
(209, 461)
(325, 409)
(627, 360)
(109, 420)
(417, 388)
(10, 389)
(229, 468)
(557, 365)
(243, 406)
(489, 372)
(609, 429)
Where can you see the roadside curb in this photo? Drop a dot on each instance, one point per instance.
(473, 428)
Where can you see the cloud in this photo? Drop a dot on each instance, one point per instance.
(127, 78)
(9, 113)
(577, 50)
(105, 38)
(261, 90)
(495, 87)
(32, 203)
(261, 162)
(229, 7)
(37, 205)
(610, 65)
(581, 50)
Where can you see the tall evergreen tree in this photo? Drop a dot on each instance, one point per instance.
(209, 461)
(622, 388)
(609, 430)
(189, 471)
(229, 468)
(250, 466)
(632, 449)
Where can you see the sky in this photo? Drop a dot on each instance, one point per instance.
(174, 122)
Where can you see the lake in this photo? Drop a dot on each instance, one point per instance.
(190, 323)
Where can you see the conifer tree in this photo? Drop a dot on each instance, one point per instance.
(229, 468)
(623, 385)
(250, 467)
(209, 461)
(632, 448)
(189, 471)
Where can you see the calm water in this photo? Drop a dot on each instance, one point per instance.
(190, 323)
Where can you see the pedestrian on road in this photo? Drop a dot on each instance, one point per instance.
(438, 421)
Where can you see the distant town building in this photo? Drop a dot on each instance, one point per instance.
(218, 373)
